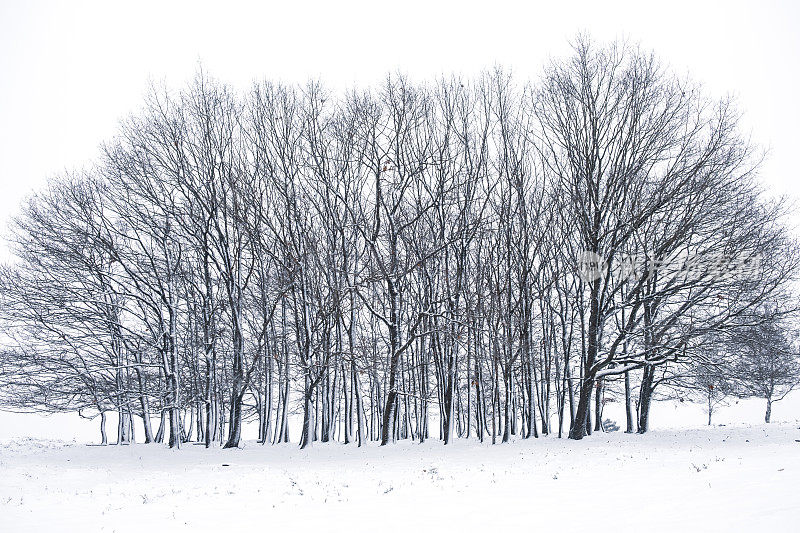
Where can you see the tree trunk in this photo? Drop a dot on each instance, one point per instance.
(103, 435)
(174, 428)
(645, 395)
(235, 428)
(581, 426)
(578, 429)
(237, 395)
(628, 409)
(394, 359)
(598, 406)
(307, 436)
(162, 421)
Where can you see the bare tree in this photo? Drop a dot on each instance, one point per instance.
(766, 364)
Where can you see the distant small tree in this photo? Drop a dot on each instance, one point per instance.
(707, 379)
(766, 364)
(713, 385)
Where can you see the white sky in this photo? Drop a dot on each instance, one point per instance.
(70, 70)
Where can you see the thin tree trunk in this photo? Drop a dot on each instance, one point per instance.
(103, 435)
(628, 409)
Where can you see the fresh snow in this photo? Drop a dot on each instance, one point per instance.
(719, 478)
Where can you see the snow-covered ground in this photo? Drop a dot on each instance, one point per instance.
(721, 478)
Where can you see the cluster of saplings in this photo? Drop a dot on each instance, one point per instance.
(385, 260)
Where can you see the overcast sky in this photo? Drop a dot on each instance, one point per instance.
(69, 71)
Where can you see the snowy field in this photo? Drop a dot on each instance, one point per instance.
(742, 477)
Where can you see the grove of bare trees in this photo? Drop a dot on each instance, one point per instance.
(470, 258)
